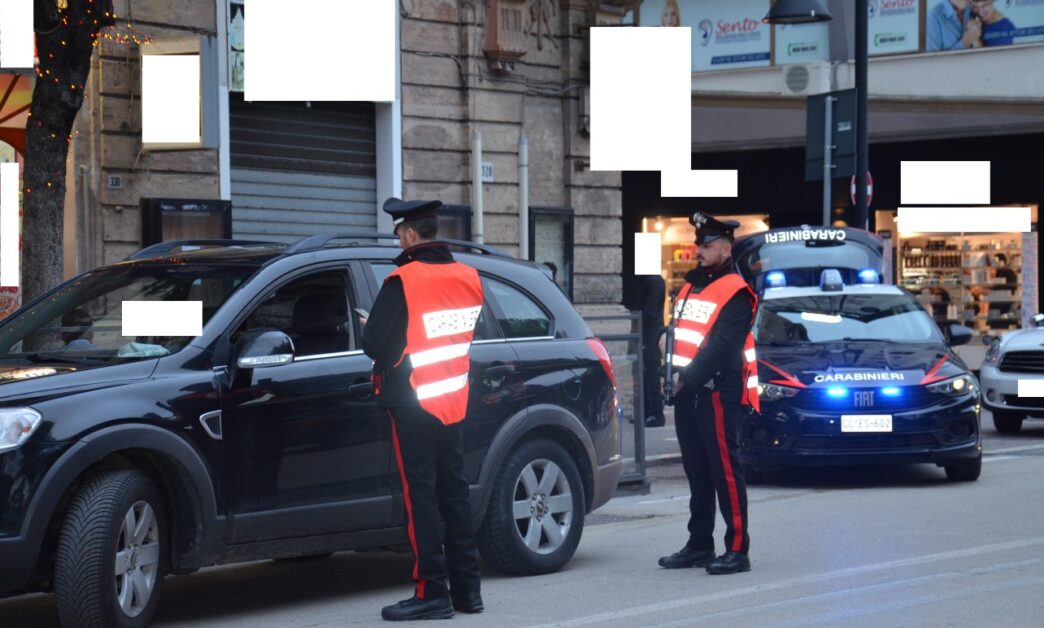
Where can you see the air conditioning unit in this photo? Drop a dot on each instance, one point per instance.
(803, 79)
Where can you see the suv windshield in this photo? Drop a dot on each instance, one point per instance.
(841, 317)
(82, 321)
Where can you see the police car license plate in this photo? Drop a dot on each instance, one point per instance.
(866, 423)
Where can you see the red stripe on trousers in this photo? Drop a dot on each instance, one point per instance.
(730, 479)
(409, 510)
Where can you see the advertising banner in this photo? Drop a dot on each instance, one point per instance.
(726, 34)
(894, 26)
(960, 24)
(797, 43)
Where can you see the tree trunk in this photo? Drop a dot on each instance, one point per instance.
(64, 42)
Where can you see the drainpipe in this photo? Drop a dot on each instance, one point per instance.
(523, 196)
(476, 186)
(83, 251)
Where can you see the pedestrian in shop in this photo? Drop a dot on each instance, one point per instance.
(716, 374)
(650, 295)
(423, 324)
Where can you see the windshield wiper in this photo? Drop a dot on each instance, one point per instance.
(38, 358)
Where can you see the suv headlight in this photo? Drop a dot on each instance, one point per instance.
(16, 426)
(993, 353)
(955, 386)
(772, 392)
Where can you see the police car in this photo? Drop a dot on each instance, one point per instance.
(855, 372)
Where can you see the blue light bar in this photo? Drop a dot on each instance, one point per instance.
(891, 391)
(869, 275)
(837, 391)
(776, 279)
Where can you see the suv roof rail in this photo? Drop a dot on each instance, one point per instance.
(311, 243)
(166, 247)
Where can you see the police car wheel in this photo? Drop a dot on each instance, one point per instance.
(536, 511)
(964, 471)
(112, 552)
(1007, 422)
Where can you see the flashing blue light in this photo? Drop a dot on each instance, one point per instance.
(837, 391)
(891, 391)
(869, 275)
(776, 279)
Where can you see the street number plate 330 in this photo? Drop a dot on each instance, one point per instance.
(866, 423)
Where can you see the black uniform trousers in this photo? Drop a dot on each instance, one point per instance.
(430, 456)
(708, 435)
(651, 371)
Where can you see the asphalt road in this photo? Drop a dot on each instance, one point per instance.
(849, 547)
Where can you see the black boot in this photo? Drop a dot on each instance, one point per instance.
(467, 601)
(416, 608)
(729, 562)
(655, 420)
(687, 557)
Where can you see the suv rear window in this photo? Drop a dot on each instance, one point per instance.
(518, 314)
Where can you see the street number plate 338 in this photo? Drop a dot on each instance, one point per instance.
(866, 423)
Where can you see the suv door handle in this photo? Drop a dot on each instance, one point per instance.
(361, 389)
(502, 370)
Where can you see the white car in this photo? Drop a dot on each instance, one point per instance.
(1012, 377)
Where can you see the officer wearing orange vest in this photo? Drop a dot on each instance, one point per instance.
(713, 356)
(419, 332)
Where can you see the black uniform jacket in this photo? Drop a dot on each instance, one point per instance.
(384, 336)
(721, 356)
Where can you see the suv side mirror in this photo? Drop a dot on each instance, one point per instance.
(1038, 320)
(959, 334)
(264, 347)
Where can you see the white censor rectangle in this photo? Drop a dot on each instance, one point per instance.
(16, 34)
(647, 253)
(162, 318)
(1031, 388)
(964, 219)
(170, 99)
(9, 226)
(939, 182)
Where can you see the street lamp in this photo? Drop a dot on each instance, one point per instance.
(806, 11)
(797, 12)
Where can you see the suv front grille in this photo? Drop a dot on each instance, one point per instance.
(1023, 362)
(1024, 402)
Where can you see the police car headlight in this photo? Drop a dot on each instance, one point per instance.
(955, 386)
(772, 392)
(16, 426)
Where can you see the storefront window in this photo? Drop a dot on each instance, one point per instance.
(973, 279)
(551, 242)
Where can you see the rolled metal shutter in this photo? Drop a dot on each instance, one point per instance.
(300, 169)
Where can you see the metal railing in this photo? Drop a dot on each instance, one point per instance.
(630, 390)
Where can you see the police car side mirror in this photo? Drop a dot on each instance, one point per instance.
(262, 348)
(959, 334)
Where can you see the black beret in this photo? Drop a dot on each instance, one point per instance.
(402, 211)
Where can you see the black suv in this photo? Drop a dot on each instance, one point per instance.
(126, 458)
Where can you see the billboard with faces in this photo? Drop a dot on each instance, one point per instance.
(726, 35)
(963, 24)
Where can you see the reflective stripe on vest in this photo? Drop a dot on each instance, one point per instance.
(694, 318)
(443, 303)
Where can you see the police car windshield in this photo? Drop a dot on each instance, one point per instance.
(844, 318)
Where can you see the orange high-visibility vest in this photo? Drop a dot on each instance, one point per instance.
(694, 316)
(443, 303)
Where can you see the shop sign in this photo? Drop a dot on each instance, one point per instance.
(804, 235)
(894, 26)
(726, 34)
(797, 43)
(1004, 22)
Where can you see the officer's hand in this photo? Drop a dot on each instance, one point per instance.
(362, 321)
(678, 383)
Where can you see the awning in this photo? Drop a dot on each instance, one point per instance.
(16, 94)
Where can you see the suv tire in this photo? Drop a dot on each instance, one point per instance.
(541, 480)
(1007, 422)
(116, 522)
(964, 471)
